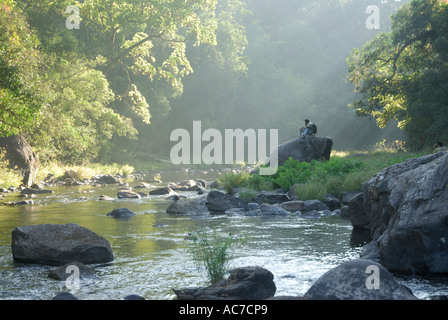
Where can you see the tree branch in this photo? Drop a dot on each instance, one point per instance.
(113, 61)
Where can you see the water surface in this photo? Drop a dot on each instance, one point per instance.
(151, 252)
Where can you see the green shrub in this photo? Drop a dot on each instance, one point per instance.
(294, 171)
(233, 180)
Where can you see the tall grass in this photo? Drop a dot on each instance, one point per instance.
(83, 171)
(212, 252)
(10, 177)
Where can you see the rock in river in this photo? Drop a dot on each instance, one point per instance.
(58, 244)
(358, 279)
(220, 202)
(247, 283)
(126, 194)
(188, 206)
(162, 191)
(271, 197)
(121, 213)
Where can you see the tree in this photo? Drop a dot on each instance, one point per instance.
(138, 47)
(22, 85)
(145, 39)
(402, 75)
(78, 126)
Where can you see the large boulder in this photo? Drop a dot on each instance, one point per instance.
(220, 202)
(308, 149)
(358, 279)
(20, 156)
(406, 204)
(58, 244)
(247, 283)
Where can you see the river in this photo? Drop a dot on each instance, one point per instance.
(151, 252)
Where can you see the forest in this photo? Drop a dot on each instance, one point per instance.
(108, 81)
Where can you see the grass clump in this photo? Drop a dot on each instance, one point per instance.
(233, 180)
(212, 253)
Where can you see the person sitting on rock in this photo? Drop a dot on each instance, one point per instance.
(438, 147)
(308, 130)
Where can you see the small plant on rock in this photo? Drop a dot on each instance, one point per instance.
(212, 252)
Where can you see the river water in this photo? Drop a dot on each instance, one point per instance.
(151, 252)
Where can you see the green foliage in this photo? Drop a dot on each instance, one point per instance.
(290, 173)
(401, 75)
(341, 173)
(133, 53)
(233, 180)
(391, 146)
(8, 177)
(212, 252)
(22, 86)
(78, 125)
(295, 172)
(145, 44)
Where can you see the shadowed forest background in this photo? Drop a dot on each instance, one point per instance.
(114, 89)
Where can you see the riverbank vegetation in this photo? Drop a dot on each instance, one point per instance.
(10, 177)
(344, 172)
